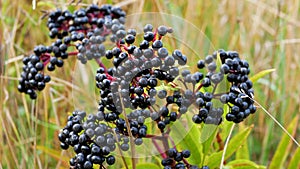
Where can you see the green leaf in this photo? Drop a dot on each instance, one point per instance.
(261, 74)
(295, 162)
(226, 125)
(147, 166)
(243, 152)
(283, 149)
(243, 164)
(207, 144)
(71, 8)
(188, 139)
(214, 160)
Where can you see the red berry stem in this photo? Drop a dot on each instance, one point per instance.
(161, 152)
(72, 53)
(186, 163)
(101, 64)
(172, 141)
(165, 142)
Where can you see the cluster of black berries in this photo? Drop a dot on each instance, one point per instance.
(137, 127)
(240, 96)
(83, 32)
(136, 73)
(181, 101)
(202, 95)
(91, 19)
(207, 113)
(91, 139)
(177, 160)
(31, 77)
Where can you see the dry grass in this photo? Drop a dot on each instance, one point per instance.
(267, 33)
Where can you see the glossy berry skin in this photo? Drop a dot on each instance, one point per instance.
(110, 160)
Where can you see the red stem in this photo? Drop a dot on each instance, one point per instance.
(160, 37)
(186, 163)
(73, 53)
(101, 64)
(172, 141)
(125, 47)
(162, 153)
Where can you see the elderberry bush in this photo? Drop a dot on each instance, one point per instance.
(145, 81)
(133, 83)
(110, 126)
(80, 34)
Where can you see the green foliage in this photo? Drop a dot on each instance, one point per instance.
(283, 149)
(295, 162)
(261, 74)
(147, 166)
(243, 164)
(208, 143)
(214, 159)
(190, 141)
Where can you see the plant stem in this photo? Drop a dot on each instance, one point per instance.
(72, 53)
(165, 142)
(199, 87)
(215, 87)
(172, 141)
(132, 145)
(161, 152)
(101, 64)
(121, 153)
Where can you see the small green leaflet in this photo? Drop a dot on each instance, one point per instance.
(261, 74)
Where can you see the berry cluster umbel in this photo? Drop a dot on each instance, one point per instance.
(240, 96)
(92, 140)
(134, 80)
(137, 71)
(145, 81)
(78, 34)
